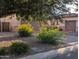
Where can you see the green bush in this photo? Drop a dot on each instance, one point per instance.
(18, 48)
(23, 33)
(3, 51)
(50, 35)
(25, 30)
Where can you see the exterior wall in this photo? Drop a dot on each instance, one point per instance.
(14, 23)
(36, 26)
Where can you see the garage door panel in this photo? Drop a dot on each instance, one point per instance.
(5, 27)
(70, 26)
(0, 26)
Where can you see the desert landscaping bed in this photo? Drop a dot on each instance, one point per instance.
(36, 45)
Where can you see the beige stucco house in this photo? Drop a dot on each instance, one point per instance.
(10, 23)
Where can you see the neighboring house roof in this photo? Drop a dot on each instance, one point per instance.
(69, 15)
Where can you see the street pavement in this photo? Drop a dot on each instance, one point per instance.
(70, 38)
(70, 52)
(69, 55)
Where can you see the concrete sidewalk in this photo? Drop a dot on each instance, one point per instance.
(52, 53)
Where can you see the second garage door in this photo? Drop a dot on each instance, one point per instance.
(70, 26)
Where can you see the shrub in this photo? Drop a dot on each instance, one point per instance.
(50, 35)
(16, 47)
(3, 51)
(19, 47)
(25, 30)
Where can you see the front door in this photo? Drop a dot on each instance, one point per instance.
(70, 26)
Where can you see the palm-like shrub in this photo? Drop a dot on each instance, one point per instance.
(50, 35)
(25, 30)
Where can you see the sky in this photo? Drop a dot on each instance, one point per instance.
(72, 7)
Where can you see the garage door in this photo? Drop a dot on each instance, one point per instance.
(0, 26)
(70, 26)
(5, 26)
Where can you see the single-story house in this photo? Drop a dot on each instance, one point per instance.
(10, 23)
(70, 23)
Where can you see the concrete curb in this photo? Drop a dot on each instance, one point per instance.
(72, 43)
(52, 53)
